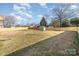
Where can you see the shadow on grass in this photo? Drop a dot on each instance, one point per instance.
(51, 46)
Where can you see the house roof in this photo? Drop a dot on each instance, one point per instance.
(1, 18)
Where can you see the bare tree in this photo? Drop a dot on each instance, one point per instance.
(63, 12)
(9, 21)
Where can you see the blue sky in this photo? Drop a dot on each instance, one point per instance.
(5, 9)
(27, 13)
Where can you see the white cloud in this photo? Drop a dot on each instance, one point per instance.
(21, 10)
(26, 5)
(16, 16)
(28, 15)
(73, 6)
(17, 7)
(12, 14)
(43, 5)
(39, 15)
(25, 13)
(50, 9)
(30, 12)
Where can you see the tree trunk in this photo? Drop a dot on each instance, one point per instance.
(60, 23)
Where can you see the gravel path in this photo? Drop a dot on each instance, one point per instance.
(61, 44)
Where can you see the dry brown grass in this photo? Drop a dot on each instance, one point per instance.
(57, 45)
(64, 29)
(12, 39)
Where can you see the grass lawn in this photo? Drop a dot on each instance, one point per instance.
(65, 29)
(12, 39)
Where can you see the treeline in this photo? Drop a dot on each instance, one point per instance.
(64, 23)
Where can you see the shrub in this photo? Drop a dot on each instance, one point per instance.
(74, 21)
(65, 23)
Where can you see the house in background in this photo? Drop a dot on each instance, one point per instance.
(1, 21)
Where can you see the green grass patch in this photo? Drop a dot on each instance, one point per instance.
(77, 39)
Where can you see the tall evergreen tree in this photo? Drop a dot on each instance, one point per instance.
(43, 22)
